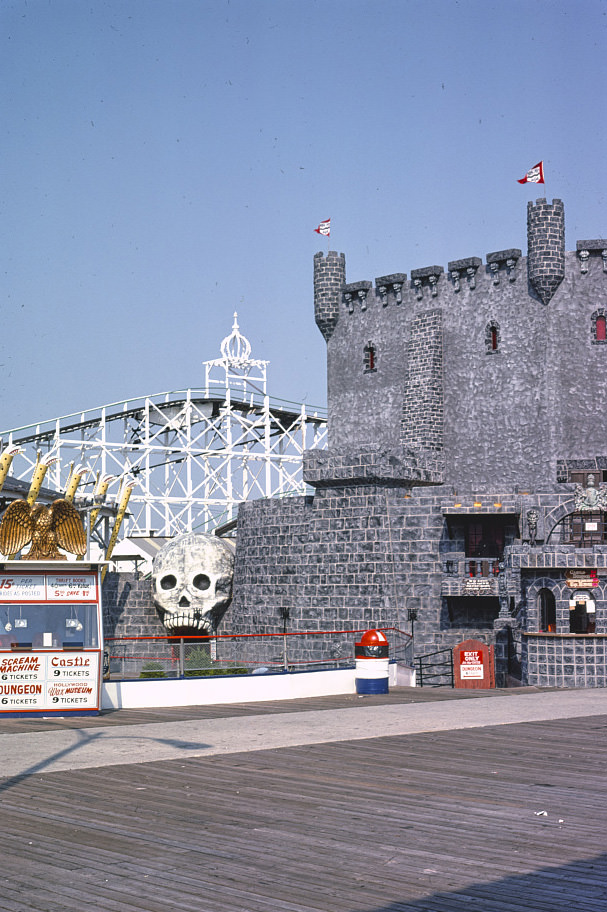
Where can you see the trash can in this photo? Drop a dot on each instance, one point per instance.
(372, 663)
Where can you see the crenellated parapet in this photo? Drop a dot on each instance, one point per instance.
(329, 280)
(587, 250)
(355, 295)
(390, 288)
(426, 278)
(504, 261)
(464, 270)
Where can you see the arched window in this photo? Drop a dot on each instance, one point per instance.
(547, 611)
(598, 327)
(492, 337)
(370, 358)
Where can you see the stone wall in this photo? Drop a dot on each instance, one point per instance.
(458, 394)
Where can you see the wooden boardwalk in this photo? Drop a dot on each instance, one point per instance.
(510, 818)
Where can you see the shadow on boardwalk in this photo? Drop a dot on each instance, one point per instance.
(580, 887)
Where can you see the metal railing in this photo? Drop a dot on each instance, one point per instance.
(435, 669)
(128, 658)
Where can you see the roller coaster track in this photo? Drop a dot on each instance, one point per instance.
(194, 454)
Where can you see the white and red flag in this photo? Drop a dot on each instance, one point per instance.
(324, 228)
(535, 175)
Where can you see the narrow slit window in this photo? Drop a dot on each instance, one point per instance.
(598, 327)
(370, 358)
(492, 338)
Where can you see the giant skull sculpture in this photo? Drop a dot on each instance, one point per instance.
(192, 582)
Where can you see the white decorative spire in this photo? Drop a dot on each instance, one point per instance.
(236, 348)
(236, 371)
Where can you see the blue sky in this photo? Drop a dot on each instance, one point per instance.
(164, 162)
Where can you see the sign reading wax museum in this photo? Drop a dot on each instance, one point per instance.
(48, 587)
(37, 681)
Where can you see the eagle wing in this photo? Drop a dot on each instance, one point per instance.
(67, 526)
(16, 528)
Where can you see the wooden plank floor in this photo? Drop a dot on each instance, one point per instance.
(225, 710)
(510, 818)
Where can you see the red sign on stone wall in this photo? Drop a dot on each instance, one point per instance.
(473, 665)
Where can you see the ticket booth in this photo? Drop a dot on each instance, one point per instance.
(51, 638)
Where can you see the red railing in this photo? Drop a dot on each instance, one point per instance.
(192, 656)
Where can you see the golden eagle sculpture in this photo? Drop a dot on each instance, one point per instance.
(47, 528)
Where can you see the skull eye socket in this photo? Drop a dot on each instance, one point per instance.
(201, 581)
(168, 581)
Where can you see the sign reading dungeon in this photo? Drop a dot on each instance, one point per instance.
(473, 665)
(49, 680)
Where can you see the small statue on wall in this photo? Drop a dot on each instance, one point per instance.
(532, 518)
(192, 583)
(48, 528)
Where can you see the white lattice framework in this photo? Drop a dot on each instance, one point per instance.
(194, 454)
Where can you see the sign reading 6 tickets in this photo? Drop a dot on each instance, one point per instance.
(49, 680)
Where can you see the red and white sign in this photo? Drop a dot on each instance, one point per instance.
(37, 681)
(22, 587)
(471, 664)
(48, 587)
(71, 587)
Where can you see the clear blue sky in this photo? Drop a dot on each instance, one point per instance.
(164, 163)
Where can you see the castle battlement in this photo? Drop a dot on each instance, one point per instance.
(465, 480)
(543, 268)
(480, 351)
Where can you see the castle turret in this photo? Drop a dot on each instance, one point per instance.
(329, 280)
(546, 240)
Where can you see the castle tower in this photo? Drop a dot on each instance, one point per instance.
(546, 246)
(329, 280)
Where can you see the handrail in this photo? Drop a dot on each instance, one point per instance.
(430, 676)
(236, 636)
(171, 655)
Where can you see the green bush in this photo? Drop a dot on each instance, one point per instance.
(152, 670)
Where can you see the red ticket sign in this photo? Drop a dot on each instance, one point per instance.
(49, 681)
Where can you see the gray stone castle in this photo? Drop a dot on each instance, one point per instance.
(463, 484)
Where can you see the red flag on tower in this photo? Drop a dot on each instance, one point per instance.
(324, 228)
(535, 175)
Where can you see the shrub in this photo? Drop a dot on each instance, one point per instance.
(152, 670)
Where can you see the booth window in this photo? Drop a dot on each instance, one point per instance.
(51, 626)
(547, 610)
(582, 613)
